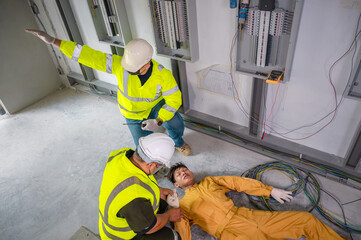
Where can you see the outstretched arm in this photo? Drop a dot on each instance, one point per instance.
(83, 54)
(44, 37)
(252, 187)
(242, 184)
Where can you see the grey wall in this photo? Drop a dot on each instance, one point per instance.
(27, 69)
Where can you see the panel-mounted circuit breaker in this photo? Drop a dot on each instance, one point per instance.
(111, 21)
(268, 37)
(175, 28)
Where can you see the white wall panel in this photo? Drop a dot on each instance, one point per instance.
(325, 34)
(216, 28)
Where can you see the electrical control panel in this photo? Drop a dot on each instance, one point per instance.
(110, 21)
(267, 37)
(175, 28)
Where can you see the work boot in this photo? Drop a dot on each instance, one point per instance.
(185, 149)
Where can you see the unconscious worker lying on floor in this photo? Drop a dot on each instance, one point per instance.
(206, 204)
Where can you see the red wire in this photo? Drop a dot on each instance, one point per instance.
(264, 124)
(334, 90)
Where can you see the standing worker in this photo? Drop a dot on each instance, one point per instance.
(131, 205)
(148, 94)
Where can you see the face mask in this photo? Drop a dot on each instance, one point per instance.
(158, 168)
(134, 73)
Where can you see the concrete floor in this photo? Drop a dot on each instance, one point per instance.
(53, 154)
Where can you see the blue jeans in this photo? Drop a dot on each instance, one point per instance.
(174, 126)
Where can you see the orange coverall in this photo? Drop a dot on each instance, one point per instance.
(206, 205)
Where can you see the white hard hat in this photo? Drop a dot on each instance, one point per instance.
(156, 147)
(137, 53)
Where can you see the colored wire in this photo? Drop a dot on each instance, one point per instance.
(297, 185)
(342, 96)
(96, 90)
(308, 183)
(299, 182)
(264, 124)
(334, 90)
(238, 101)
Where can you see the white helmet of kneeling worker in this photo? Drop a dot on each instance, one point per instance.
(156, 147)
(137, 53)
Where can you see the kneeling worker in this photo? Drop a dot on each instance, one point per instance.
(131, 204)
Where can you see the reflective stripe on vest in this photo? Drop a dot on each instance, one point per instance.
(169, 108)
(160, 67)
(123, 108)
(170, 91)
(111, 158)
(109, 235)
(124, 229)
(137, 99)
(76, 52)
(120, 187)
(109, 63)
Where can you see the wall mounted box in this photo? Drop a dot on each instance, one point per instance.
(268, 38)
(111, 21)
(175, 28)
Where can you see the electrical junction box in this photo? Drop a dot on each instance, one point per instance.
(110, 21)
(175, 28)
(268, 37)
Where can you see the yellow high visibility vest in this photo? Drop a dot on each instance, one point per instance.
(135, 101)
(123, 182)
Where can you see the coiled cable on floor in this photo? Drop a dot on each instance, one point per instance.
(302, 181)
(298, 184)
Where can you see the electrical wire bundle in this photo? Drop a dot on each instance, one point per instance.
(298, 184)
(302, 181)
(271, 126)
